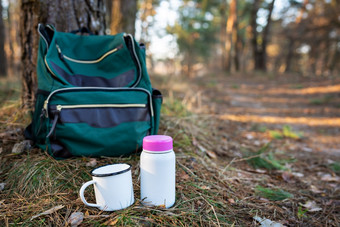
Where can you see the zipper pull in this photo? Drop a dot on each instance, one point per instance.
(61, 56)
(45, 108)
(59, 51)
(55, 121)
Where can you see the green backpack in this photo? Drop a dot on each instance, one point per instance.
(94, 95)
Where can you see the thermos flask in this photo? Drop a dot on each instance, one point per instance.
(157, 171)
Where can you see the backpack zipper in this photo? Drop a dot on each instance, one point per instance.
(136, 58)
(88, 61)
(45, 107)
(60, 107)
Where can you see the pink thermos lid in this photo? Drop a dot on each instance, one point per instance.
(157, 143)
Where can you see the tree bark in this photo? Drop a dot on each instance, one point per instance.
(231, 37)
(335, 58)
(223, 33)
(123, 16)
(253, 26)
(10, 62)
(260, 50)
(236, 37)
(263, 59)
(65, 15)
(290, 54)
(3, 58)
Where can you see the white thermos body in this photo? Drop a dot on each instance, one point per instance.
(158, 171)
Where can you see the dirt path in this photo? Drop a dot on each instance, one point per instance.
(311, 107)
(299, 118)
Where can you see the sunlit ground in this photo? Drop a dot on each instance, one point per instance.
(311, 106)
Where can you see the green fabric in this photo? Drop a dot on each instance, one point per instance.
(157, 102)
(76, 70)
(112, 140)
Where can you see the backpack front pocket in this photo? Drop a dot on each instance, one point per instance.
(93, 61)
(98, 122)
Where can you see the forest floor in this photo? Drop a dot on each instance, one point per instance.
(251, 150)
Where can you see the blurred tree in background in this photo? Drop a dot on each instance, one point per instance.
(122, 15)
(222, 36)
(3, 60)
(195, 33)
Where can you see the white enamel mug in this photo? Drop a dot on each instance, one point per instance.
(112, 187)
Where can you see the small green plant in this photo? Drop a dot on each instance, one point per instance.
(297, 86)
(335, 167)
(212, 84)
(289, 133)
(174, 107)
(235, 86)
(301, 213)
(272, 194)
(321, 101)
(286, 132)
(266, 160)
(275, 134)
(258, 128)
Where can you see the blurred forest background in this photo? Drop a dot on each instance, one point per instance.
(276, 36)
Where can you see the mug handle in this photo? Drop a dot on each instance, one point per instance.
(82, 197)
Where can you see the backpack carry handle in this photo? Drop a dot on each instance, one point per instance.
(82, 30)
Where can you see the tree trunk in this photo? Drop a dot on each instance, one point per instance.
(253, 26)
(335, 58)
(263, 59)
(223, 32)
(292, 38)
(3, 59)
(290, 54)
(9, 26)
(313, 54)
(259, 50)
(123, 16)
(230, 37)
(236, 37)
(65, 15)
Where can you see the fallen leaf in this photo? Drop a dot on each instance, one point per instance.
(231, 200)
(184, 176)
(112, 222)
(257, 143)
(49, 211)
(2, 186)
(92, 162)
(267, 222)
(205, 187)
(329, 178)
(75, 219)
(311, 206)
(315, 189)
(249, 136)
(19, 148)
(298, 174)
(307, 149)
(287, 176)
(211, 154)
